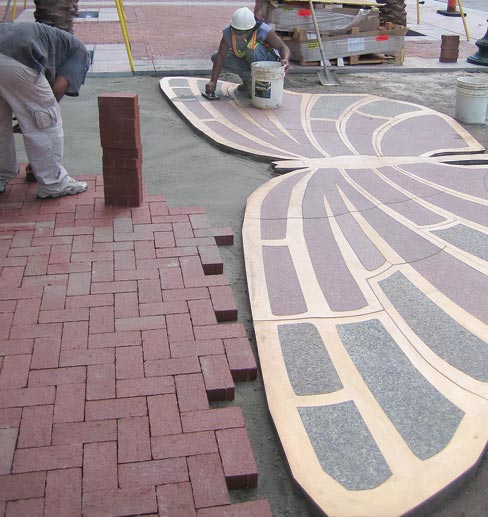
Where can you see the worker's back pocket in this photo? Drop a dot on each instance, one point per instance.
(46, 114)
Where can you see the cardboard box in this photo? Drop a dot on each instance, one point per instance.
(304, 46)
(330, 19)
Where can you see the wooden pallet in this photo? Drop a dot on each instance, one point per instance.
(366, 59)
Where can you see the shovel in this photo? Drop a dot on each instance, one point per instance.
(327, 77)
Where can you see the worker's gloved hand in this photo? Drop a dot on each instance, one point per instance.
(210, 87)
(286, 64)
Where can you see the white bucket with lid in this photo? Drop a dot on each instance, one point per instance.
(267, 84)
(471, 99)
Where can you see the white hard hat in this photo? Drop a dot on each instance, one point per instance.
(243, 19)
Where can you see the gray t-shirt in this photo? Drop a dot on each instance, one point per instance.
(48, 50)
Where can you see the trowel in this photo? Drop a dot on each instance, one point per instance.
(327, 77)
(210, 96)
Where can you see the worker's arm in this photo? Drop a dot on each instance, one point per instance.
(260, 10)
(217, 66)
(276, 42)
(59, 87)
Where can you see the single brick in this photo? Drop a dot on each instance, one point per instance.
(179, 327)
(171, 278)
(124, 501)
(70, 403)
(100, 382)
(100, 466)
(129, 362)
(23, 507)
(102, 319)
(10, 417)
(240, 469)
(162, 367)
(35, 331)
(149, 291)
(27, 311)
(145, 386)
(8, 440)
(164, 415)
(45, 353)
(155, 344)
(241, 359)
(16, 346)
(15, 371)
(89, 300)
(196, 293)
(22, 486)
(223, 303)
(87, 357)
(36, 427)
(75, 336)
(218, 379)
(47, 458)
(162, 309)
(140, 323)
(197, 348)
(229, 330)
(55, 376)
(184, 444)
(27, 397)
(202, 312)
(115, 339)
(211, 260)
(151, 473)
(114, 287)
(102, 273)
(133, 440)
(191, 393)
(84, 432)
(126, 305)
(212, 419)
(63, 493)
(175, 499)
(115, 408)
(207, 480)
(63, 315)
(124, 260)
(78, 284)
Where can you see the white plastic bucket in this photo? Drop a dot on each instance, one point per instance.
(267, 84)
(471, 99)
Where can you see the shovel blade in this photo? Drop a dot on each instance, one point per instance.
(328, 78)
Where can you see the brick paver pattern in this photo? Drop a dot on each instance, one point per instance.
(118, 327)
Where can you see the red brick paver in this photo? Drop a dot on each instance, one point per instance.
(110, 353)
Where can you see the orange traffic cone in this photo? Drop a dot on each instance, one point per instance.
(451, 9)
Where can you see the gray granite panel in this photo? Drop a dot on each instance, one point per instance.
(425, 419)
(309, 366)
(388, 108)
(181, 81)
(344, 446)
(443, 335)
(463, 284)
(467, 239)
(284, 290)
(333, 106)
(184, 93)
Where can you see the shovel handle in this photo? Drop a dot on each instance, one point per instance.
(317, 32)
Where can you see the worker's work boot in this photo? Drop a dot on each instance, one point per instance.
(245, 87)
(73, 187)
(29, 174)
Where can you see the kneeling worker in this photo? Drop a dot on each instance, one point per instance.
(245, 41)
(38, 65)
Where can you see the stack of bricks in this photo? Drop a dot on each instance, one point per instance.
(117, 331)
(120, 137)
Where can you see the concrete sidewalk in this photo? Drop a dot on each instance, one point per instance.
(169, 38)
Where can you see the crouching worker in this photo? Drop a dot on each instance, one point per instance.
(245, 41)
(38, 65)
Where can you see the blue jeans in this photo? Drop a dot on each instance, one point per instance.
(242, 67)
